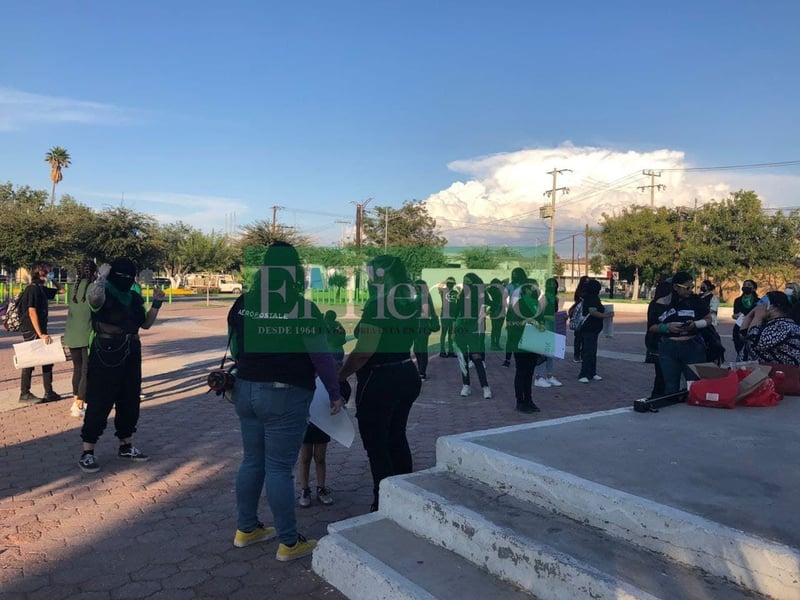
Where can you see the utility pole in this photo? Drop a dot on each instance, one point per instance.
(653, 185)
(343, 223)
(586, 255)
(275, 210)
(360, 206)
(551, 213)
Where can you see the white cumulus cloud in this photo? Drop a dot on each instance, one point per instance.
(498, 201)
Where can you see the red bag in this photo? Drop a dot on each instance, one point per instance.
(716, 393)
(763, 395)
(786, 378)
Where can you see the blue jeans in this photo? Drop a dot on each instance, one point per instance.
(273, 422)
(546, 368)
(675, 358)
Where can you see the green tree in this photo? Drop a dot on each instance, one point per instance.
(206, 252)
(480, 257)
(125, 232)
(58, 159)
(409, 225)
(640, 241)
(29, 231)
(339, 281)
(263, 233)
(412, 236)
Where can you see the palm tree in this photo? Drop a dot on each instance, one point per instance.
(59, 159)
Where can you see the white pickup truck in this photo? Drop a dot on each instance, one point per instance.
(229, 286)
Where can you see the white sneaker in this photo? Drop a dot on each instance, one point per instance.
(541, 382)
(597, 378)
(76, 412)
(584, 380)
(465, 391)
(487, 392)
(554, 382)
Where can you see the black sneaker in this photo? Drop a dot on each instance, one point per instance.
(52, 397)
(527, 407)
(30, 399)
(87, 463)
(131, 452)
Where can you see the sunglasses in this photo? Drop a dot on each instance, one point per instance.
(123, 275)
(683, 286)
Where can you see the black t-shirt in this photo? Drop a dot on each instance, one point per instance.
(449, 301)
(114, 317)
(692, 308)
(271, 346)
(592, 324)
(398, 324)
(36, 296)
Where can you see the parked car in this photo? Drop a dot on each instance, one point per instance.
(229, 286)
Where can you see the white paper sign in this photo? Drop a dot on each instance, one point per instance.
(339, 426)
(36, 353)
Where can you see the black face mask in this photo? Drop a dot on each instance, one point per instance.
(121, 281)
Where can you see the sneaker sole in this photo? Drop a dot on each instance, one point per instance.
(289, 557)
(267, 538)
(133, 458)
(87, 470)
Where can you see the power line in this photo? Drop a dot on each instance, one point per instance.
(786, 163)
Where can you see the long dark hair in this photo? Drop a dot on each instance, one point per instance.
(85, 271)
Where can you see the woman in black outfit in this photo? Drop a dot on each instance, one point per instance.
(657, 307)
(577, 343)
(388, 381)
(525, 362)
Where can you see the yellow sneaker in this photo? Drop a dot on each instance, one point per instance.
(302, 547)
(259, 534)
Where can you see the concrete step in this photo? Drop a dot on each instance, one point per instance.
(549, 555)
(373, 558)
(497, 459)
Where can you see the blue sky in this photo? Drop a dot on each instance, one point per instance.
(198, 110)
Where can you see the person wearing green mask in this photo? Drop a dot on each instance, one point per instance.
(741, 308)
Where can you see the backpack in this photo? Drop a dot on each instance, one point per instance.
(577, 318)
(9, 313)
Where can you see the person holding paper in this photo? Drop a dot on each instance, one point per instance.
(548, 305)
(278, 340)
(525, 310)
(388, 381)
(33, 312)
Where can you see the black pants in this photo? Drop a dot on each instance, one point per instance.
(421, 353)
(514, 335)
(114, 379)
(577, 346)
(80, 367)
(473, 345)
(738, 340)
(26, 374)
(497, 329)
(524, 366)
(658, 381)
(588, 353)
(446, 334)
(383, 401)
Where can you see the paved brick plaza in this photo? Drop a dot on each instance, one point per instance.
(164, 529)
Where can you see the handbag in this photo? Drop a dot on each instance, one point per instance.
(543, 342)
